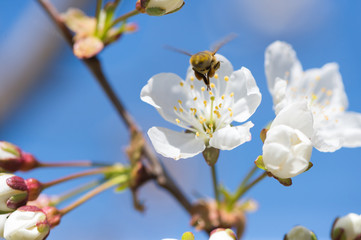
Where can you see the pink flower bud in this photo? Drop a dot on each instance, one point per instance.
(13, 192)
(27, 223)
(10, 157)
(34, 188)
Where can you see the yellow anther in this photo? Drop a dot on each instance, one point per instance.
(222, 97)
(179, 101)
(197, 134)
(177, 120)
(216, 107)
(208, 131)
(314, 97)
(217, 113)
(226, 78)
(318, 78)
(210, 125)
(181, 83)
(205, 103)
(326, 117)
(175, 108)
(216, 76)
(181, 110)
(323, 89)
(210, 93)
(195, 98)
(192, 78)
(211, 135)
(329, 93)
(230, 109)
(220, 105)
(203, 89)
(192, 86)
(231, 114)
(232, 94)
(212, 85)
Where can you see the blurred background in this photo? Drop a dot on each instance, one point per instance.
(51, 106)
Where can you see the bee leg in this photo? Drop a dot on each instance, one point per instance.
(198, 75)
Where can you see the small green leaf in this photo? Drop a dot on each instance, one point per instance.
(259, 163)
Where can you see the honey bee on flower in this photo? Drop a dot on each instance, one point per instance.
(206, 115)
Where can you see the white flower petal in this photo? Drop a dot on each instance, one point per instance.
(281, 61)
(351, 224)
(343, 130)
(298, 116)
(279, 95)
(174, 144)
(163, 92)
(247, 96)
(229, 137)
(323, 86)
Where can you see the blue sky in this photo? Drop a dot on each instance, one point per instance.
(65, 115)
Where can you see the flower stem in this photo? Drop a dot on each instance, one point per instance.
(108, 184)
(59, 199)
(245, 181)
(97, 14)
(215, 184)
(78, 175)
(244, 188)
(80, 163)
(123, 18)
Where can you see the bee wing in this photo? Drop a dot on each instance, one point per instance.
(177, 50)
(220, 44)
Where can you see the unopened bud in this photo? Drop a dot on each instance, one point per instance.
(347, 227)
(13, 192)
(29, 162)
(159, 7)
(222, 234)
(10, 157)
(27, 223)
(300, 232)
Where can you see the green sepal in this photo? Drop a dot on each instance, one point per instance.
(313, 236)
(187, 236)
(211, 155)
(124, 184)
(285, 181)
(18, 197)
(338, 234)
(155, 11)
(259, 163)
(310, 165)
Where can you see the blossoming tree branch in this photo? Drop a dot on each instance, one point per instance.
(212, 108)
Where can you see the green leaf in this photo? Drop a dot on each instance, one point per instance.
(259, 163)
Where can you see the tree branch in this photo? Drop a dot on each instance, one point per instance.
(94, 65)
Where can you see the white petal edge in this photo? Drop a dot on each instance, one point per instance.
(163, 92)
(247, 96)
(174, 144)
(345, 133)
(281, 61)
(229, 137)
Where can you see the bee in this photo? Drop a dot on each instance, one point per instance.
(205, 63)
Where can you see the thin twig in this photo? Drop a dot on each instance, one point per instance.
(163, 179)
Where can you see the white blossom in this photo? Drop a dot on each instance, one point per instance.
(3, 218)
(26, 223)
(351, 225)
(300, 233)
(206, 115)
(287, 148)
(324, 91)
